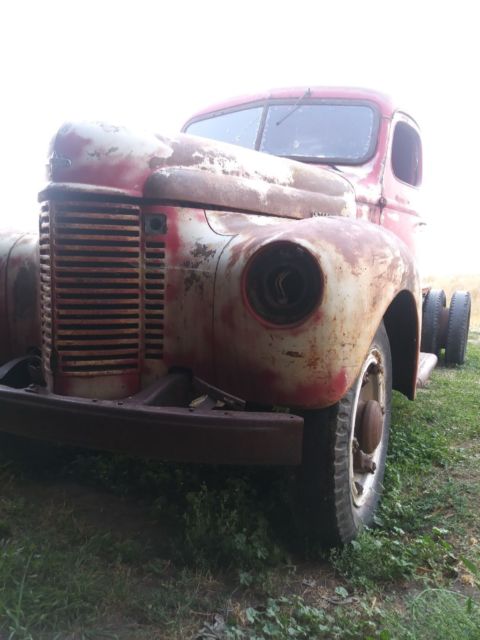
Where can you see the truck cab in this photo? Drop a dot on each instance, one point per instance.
(356, 132)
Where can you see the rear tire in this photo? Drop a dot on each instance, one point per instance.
(435, 301)
(337, 499)
(458, 325)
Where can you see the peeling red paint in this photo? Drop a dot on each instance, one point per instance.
(331, 390)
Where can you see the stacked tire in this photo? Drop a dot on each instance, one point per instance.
(444, 327)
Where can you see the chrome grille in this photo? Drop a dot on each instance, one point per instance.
(91, 277)
(46, 285)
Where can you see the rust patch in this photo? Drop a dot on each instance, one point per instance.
(193, 278)
(202, 251)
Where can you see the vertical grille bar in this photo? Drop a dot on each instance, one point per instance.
(154, 270)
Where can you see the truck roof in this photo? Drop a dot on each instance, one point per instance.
(384, 102)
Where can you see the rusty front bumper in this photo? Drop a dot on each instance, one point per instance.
(168, 433)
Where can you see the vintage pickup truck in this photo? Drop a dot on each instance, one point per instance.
(196, 298)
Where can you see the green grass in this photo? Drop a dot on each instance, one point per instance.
(100, 546)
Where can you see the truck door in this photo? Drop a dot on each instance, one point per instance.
(401, 181)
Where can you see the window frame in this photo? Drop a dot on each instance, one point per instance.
(404, 121)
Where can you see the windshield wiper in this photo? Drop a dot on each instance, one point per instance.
(295, 107)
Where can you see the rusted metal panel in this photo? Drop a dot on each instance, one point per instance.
(19, 304)
(131, 295)
(313, 364)
(167, 433)
(176, 168)
(201, 268)
(247, 194)
(193, 252)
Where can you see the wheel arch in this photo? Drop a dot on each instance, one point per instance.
(402, 325)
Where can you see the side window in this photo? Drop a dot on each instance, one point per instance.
(407, 154)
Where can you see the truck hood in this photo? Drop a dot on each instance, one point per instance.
(99, 157)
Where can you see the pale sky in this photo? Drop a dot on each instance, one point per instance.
(152, 64)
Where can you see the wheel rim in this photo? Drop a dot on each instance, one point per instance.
(365, 466)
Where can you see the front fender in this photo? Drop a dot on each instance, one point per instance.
(19, 304)
(311, 365)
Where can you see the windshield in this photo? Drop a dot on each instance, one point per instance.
(325, 131)
(316, 132)
(236, 127)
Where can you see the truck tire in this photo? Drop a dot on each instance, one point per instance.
(434, 302)
(458, 325)
(338, 492)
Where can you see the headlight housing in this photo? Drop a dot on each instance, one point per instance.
(283, 283)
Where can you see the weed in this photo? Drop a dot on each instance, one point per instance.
(223, 527)
(474, 570)
(380, 557)
(436, 614)
(46, 588)
(293, 617)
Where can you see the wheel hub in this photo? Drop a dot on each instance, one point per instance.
(369, 425)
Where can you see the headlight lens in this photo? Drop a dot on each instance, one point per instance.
(283, 283)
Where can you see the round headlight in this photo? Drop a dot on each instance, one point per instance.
(283, 283)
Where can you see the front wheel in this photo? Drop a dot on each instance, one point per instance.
(344, 453)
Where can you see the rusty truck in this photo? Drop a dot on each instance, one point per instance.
(245, 292)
